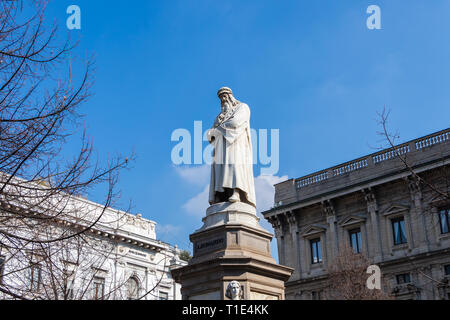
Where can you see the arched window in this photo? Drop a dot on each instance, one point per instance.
(133, 288)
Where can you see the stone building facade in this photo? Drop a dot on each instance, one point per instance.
(394, 212)
(119, 258)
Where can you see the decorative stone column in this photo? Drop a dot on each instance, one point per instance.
(330, 213)
(418, 220)
(372, 209)
(277, 226)
(292, 219)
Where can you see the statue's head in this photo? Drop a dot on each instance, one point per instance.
(234, 290)
(226, 97)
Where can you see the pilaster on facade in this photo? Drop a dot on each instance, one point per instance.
(328, 208)
(293, 221)
(330, 213)
(414, 187)
(277, 224)
(376, 247)
(417, 216)
(371, 201)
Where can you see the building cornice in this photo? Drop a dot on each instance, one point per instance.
(424, 153)
(370, 183)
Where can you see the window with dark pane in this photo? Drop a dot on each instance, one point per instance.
(403, 278)
(316, 251)
(444, 220)
(163, 295)
(447, 270)
(315, 295)
(99, 288)
(2, 268)
(35, 277)
(398, 229)
(355, 240)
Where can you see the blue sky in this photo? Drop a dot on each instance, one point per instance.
(311, 69)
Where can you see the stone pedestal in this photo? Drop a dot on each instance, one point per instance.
(231, 245)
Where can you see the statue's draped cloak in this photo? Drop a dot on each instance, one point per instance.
(232, 165)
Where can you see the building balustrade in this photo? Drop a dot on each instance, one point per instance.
(383, 156)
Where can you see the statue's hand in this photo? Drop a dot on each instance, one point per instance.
(218, 120)
(211, 135)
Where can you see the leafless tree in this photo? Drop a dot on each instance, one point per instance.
(432, 187)
(40, 96)
(348, 276)
(440, 188)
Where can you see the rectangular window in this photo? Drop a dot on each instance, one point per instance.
(447, 270)
(355, 240)
(403, 278)
(99, 288)
(163, 295)
(69, 292)
(398, 228)
(444, 220)
(316, 251)
(35, 277)
(315, 295)
(68, 287)
(2, 268)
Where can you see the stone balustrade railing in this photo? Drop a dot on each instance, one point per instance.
(432, 140)
(349, 167)
(416, 145)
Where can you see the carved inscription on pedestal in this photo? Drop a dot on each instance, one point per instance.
(209, 245)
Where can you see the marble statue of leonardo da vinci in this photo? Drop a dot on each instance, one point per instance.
(232, 165)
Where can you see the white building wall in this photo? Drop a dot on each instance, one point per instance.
(118, 247)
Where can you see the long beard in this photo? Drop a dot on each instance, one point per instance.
(226, 111)
(226, 107)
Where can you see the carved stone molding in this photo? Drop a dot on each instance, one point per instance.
(436, 202)
(313, 230)
(371, 200)
(328, 208)
(395, 209)
(414, 187)
(275, 221)
(352, 221)
(292, 220)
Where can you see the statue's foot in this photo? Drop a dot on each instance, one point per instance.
(235, 197)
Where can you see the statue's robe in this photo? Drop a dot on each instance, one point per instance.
(232, 165)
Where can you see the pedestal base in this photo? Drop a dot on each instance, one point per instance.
(230, 213)
(231, 245)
